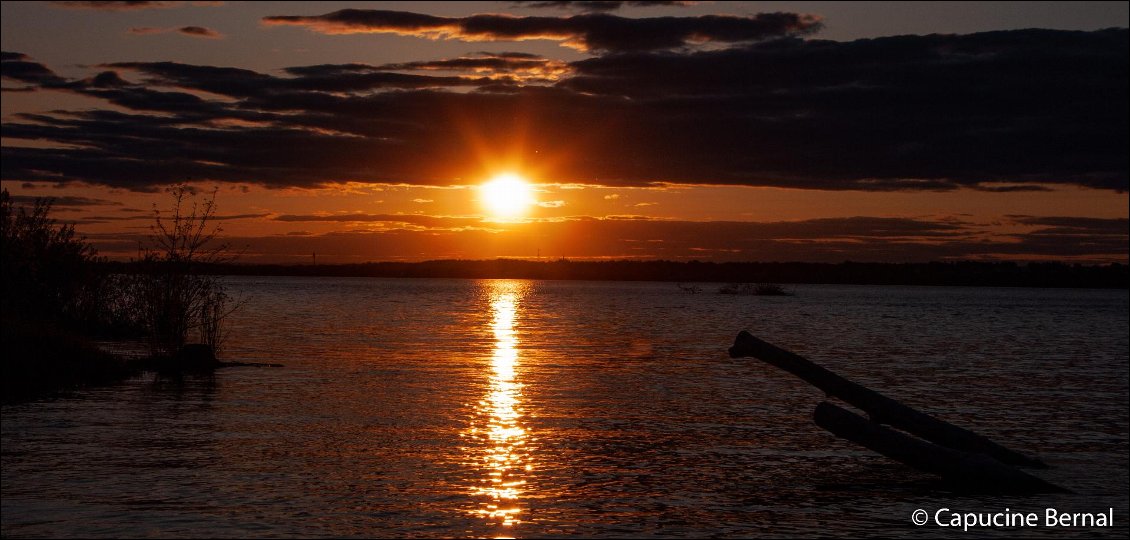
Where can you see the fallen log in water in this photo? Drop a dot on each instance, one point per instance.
(966, 469)
(880, 408)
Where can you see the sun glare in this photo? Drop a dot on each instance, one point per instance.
(507, 195)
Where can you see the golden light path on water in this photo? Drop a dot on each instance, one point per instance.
(502, 439)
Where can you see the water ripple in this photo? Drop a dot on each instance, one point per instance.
(425, 408)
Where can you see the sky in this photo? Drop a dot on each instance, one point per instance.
(752, 131)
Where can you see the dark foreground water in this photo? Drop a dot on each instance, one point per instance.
(530, 409)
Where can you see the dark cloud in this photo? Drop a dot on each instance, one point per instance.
(409, 219)
(115, 6)
(497, 63)
(128, 5)
(1008, 189)
(244, 83)
(64, 202)
(941, 110)
(997, 111)
(19, 67)
(589, 32)
(599, 5)
(1077, 226)
(149, 218)
(108, 79)
(199, 31)
(191, 31)
(180, 154)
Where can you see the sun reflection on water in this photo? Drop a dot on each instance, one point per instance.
(499, 433)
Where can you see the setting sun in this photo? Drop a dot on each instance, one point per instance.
(507, 195)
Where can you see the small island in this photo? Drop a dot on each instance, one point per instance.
(754, 289)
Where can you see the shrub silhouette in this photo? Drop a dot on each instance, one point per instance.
(54, 298)
(177, 300)
(57, 294)
(48, 272)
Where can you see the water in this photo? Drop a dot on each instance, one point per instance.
(452, 408)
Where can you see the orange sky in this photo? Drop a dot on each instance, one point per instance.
(608, 182)
(315, 215)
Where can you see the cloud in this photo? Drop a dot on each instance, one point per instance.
(906, 112)
(191, 31)
(514, 64)
(129, 5)
(998, 111)
(116, 6)
(19, 67)
(991, 188)
(1077, 226)
(410, 219)
(65, 201)
(242, 83)
(588, 32)
(599, 5)
(199, 31)
(149, 218)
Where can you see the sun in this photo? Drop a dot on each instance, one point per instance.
(507, 195)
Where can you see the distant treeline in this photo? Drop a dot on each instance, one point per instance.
(963, 273)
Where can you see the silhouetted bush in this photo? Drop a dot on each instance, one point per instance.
(58, 295)
(48, 272)
(177, 301)
(52, 275)
(55, 296)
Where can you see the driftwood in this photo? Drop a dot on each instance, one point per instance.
(880, 408)
(965, 469)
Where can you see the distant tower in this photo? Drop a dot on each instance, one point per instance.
(315, 254)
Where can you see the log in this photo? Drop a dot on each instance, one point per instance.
(880, 408)
(964, 469)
